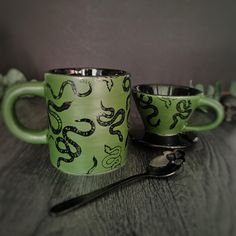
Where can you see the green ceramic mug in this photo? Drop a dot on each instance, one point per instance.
(88, 111)
(166, 109)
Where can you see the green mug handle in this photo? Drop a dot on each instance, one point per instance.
(217, 107)
(9, 116)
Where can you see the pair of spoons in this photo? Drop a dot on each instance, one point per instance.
(162, 166)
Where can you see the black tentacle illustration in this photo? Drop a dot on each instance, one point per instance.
(95, 163)
(61, 108)
(146, 104)
(68, 141)
(113, 159)
(113, 117)
(184, 110)
(71, 83)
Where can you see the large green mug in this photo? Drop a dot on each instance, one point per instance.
(166, 109)
(88, 111)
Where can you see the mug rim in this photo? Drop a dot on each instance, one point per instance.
(88, 72)
(136, 90)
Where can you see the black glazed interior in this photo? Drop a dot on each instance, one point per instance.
(88, 72)
(166, 90)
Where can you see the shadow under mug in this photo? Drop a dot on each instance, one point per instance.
(88, 111)
(166, 109)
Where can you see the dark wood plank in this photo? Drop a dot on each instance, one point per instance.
(199, 201)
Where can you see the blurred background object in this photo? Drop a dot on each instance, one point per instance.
(227, 97)
(11, 77)
(155, 40)
(228, 100)
(211, 90)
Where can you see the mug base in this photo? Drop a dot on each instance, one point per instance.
(92, 174)
(178, 141)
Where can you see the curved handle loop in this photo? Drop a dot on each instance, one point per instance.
(9, 115)
(217, 107)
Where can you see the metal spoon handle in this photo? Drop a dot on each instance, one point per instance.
(79, 201)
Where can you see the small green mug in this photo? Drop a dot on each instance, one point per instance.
(88, 111)
(166, 109)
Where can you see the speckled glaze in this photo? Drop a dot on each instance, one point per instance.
(88, 112)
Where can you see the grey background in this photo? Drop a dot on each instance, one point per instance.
(155, 40)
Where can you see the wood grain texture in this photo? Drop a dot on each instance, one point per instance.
(199, 201)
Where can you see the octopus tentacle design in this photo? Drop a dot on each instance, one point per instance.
(184, 110)
(68, 141)
(71, 83)
(147, 104)
(109, 113)
(95, 163)
(113, 159)
(63, 107)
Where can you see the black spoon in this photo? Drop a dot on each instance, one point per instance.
(160, 167)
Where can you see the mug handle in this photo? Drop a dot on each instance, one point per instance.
(217, 107)
(9, 116)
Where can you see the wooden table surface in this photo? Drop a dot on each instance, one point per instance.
(201, 200)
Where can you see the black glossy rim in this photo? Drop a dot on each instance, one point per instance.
(148, 89)
(88, 72)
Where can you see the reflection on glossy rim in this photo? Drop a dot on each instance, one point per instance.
(168, 90)
(88, 72)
